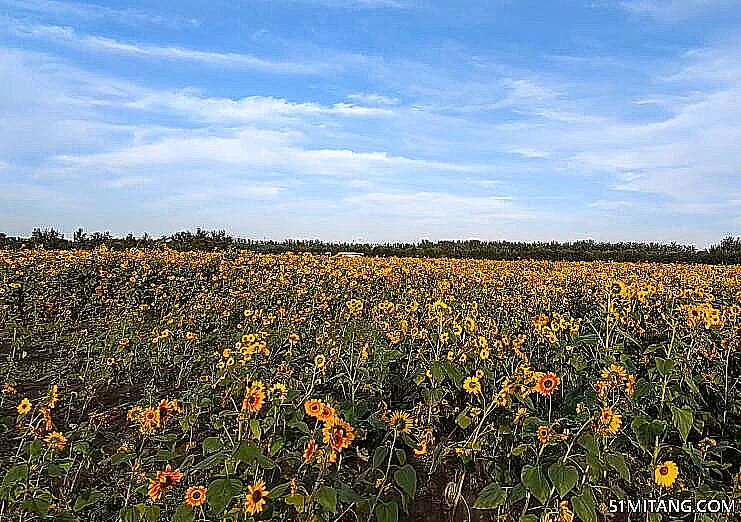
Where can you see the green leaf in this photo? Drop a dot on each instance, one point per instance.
(584, 505)
(184, 513)
(275, 446)
(683, 420)
(15, 474)
(87, 498)
(34, 448)
(255, 428)
(211, 444)
(536, 483)
(406, 478)
(665, 366)
(211, 462)
(463, 420)
(529, 518)
(346, 494)
(38, 505)
(563, 477)
(221, 492)
(401, 456)
(129, 514)
(280, 490)
(151, 513)
(587, 442)
(453, 373)
(646, 432)
(379, 456)
(327, 497)
(490, 497)
(519, 450)
(387, 512)
(617, 462)
(297, 501)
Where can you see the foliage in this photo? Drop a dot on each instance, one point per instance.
(166, 385)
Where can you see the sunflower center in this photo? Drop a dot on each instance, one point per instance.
(664, 470)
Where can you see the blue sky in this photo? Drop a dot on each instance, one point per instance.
(374, 120)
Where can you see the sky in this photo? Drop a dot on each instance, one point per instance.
(373, 120)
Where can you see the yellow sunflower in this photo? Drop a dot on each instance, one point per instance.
(24, 407)
(254, 500)
(472, 385)
(401, 422)
(196, 496)
(547, 384)
(666, 474)
(609, 422)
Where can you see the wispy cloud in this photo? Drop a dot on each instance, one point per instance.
(91, 11)
(673, 10)
(69, 36)
(609, 205)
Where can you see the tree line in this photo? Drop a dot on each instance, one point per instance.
(727, 251)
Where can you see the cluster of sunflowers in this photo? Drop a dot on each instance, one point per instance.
(152, 419)
(337, 434)
(326, 388)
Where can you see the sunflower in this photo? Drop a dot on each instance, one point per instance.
(151, 416)
(544, 434)
(472, 385)
(520, 417)
(401, 422)
(327, 413)
(294, 339)
(320, 361)
(309, 451)
(338, 434)
(253, 398)
(666, 474)
(24, 407)
(609, 422)
(254, 499)
(630, 385)
(313, 407)
(53, 396)
(564, 513)
(615, 375)
(196, 496)
(547, 384)
(56, 440)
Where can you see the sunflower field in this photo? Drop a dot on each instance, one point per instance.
(146, 385)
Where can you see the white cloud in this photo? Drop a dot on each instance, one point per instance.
(673, 10)
(69, 36)
(90, 11)
(373, 99)
(125, 182)
(609, 205)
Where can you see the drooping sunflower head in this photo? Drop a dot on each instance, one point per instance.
(665, 474)
(401, 422)
(547, 384)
